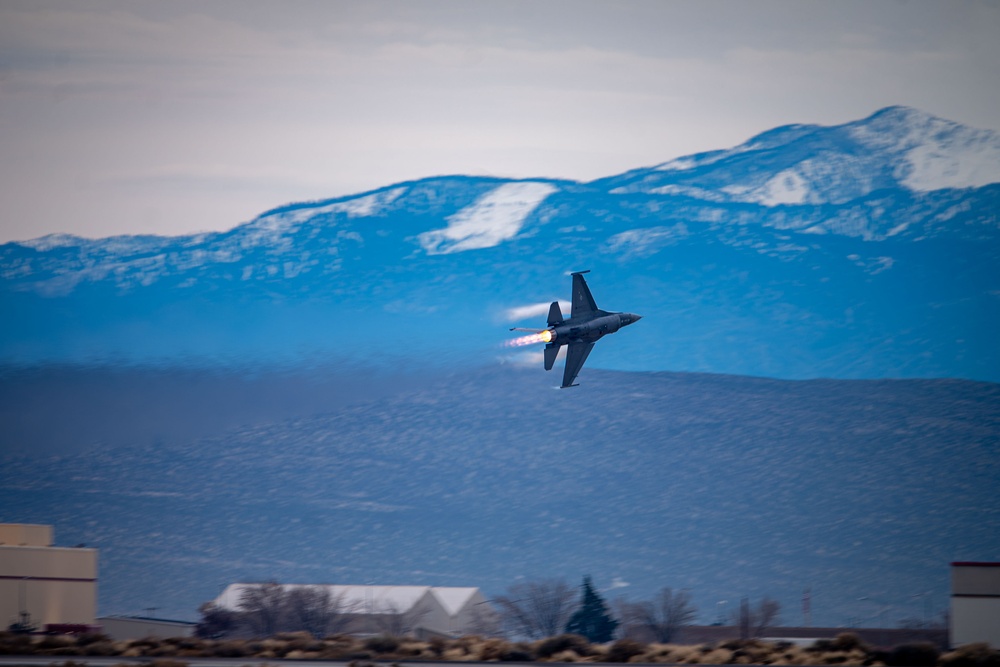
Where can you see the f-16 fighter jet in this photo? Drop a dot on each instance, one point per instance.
(586, 325)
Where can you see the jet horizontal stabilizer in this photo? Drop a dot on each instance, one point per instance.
(551, 350)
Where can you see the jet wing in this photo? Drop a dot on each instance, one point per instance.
(576, 355)
(583, 301)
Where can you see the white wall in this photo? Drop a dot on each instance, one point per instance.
(975, 603)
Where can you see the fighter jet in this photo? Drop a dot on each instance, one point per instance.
(586, 325)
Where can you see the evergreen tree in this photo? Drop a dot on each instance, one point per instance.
(592, 619)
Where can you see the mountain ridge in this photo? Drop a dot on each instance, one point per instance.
(898, 278)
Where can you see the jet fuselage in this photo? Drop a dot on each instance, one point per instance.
(590, 329)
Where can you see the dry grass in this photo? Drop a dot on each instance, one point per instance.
(846, 650)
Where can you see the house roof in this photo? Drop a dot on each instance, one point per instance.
(368, 599)
(453, 598)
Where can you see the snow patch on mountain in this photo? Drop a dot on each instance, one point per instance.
(270, 226)
(648, 241)
(680, 164)
(50, 241)
(359, 207)
(684, 190)
(493, 218)
(935, 165)
(786, 187)
(932, 153)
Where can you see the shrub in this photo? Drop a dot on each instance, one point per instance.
(55, 641)
(411, 648)
(455, 653)
(193, 647)
(91, 638)
(566, 656)
(567, 642)
(673, 653)
(623, 650)
(103, 647)
(145, 644)
(382, 644)
(848, 641)
(438, 646)
(15, 644)
(972, 655)
(751, 651)
(718, 656)
(341, 647)
(165, 662)
(230, 649)
(519, 653)
(793, 655)
(492, 649)
(362, 658)
(920, 654)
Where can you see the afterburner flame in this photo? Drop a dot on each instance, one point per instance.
(531, 339)
(521, 341)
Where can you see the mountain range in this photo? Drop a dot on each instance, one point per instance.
(863, 250)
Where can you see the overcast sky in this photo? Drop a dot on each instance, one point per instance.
(172, 117)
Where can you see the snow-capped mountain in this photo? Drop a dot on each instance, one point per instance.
(810, 164)
(861, 250)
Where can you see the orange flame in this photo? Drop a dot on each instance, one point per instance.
(531, 339)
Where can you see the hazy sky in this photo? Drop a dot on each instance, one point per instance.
(172, 117)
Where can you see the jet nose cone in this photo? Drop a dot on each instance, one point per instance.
(636, 318)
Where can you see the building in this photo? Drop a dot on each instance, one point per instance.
(52, 585)
(975, 603)
(807, 636)
(422, 611)
(140, 627)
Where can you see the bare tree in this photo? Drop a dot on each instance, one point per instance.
(317, 610)
(537, 609)
(754, 621)
(394, 621)
(660, 618)
(484, 621)
(216, 621)
(263, 607)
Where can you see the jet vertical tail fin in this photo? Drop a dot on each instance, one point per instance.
(583, 300)
(555, 314)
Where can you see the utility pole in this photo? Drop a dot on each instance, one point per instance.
(149, 617)
(720, 608)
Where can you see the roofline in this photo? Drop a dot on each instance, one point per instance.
(972, 563)
(144, 619)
